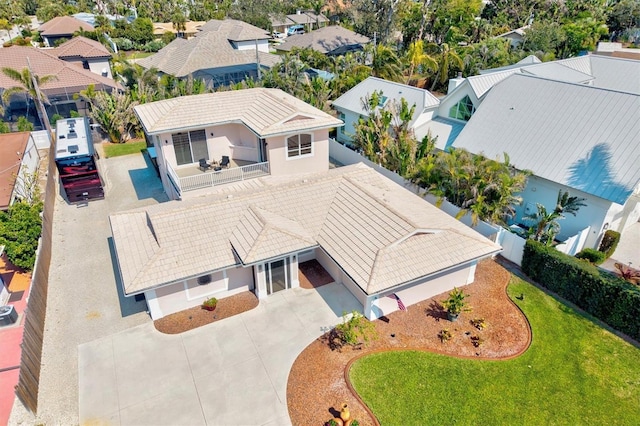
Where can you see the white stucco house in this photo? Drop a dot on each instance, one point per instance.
(370, 234)
(350, 105)
(574, 137)
(18, 158)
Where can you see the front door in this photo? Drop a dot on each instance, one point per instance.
(277, 276)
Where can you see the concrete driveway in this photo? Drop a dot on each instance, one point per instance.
(231, 372)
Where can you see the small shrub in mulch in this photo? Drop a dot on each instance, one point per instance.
(197, 316)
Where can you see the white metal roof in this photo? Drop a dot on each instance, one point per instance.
(352, 99)
(577, 135)
(266, 112)
(381, 234)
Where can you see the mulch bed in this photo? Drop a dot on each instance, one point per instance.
(316, 388)
(313, 275)
(197, 316)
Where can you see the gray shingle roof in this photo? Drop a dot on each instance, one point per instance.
(352, 100)
(381, 234)
(324, 40)
(577, 135)
(210, 49)
(266, 112)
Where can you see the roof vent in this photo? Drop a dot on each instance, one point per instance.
(73, 149)
(230, 196)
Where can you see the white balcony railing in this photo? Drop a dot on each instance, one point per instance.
(234, 174)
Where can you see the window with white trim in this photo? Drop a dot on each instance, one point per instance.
(343, 118)
(299, 145)
(190, 147)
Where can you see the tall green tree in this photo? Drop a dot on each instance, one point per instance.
(114, 113)
(448, 61)
(418, 59)
(385, 63)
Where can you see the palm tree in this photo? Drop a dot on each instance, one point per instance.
(385, 63)
(26, 85)
(418, 58)
(546, 222)
(447, 60)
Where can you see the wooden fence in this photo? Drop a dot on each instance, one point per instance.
(28, 381)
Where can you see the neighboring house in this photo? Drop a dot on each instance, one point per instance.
(18, 157)
(222, 53)
(516, 37)
(86, 53)
(350, 105)
(70, 80)
(371, 235)
(61, 28)
(310, 21)
(260, 131)
(90, 18)
(191, 29)
(574, 137)
(333, 40)
(616, 50)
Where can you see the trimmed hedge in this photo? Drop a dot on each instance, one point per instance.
(592, 255)
(609, 243)
(605, 296)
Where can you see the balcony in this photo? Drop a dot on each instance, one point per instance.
(191, 178)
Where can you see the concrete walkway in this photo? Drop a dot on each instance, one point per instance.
(231, 372)
(628, 250)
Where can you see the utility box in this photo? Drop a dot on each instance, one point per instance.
(8, 315)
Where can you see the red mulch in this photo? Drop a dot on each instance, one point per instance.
(317, 387)
(197, 316)
(312, 275)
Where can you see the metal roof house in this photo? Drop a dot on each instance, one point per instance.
(574, 137)
(350, 105)
(370, 234)
(221, 53)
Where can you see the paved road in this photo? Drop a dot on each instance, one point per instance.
(231, 372)
(84, 301)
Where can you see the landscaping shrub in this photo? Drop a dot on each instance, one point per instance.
(20, 229)
(123, 43)
(603, 295)
(592, 255)
(609, 242)
(153, 46)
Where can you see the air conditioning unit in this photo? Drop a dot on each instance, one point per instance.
(8, 315)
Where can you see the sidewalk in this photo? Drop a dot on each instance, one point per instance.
(19, 284)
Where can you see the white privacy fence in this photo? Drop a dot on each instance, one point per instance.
(512, 244)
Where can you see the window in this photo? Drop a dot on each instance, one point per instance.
(190, 147)
(299, 145)
(463, 110)
(343, 118)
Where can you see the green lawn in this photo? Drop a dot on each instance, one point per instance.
(138, 55)
(574, 373)
(118, 149)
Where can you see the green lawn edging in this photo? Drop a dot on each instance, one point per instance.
(119, 149)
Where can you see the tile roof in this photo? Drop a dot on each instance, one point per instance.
(81, 47)
(324, 40)
(577, 135)
(352, 99)
(209, 49)
(63, 25)
(12, 149)
(266, 112)
(69, 77)
(381, 234)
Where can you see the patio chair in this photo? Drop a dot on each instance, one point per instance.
(204, 166)
(225, 162)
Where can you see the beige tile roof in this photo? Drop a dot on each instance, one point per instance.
(265, 111)
(381, 235)
(324, 40)
(69, 78)
(81, 47)
(234, 30)
(63, 25)
(207, 50)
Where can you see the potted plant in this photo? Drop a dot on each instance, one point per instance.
(455, 304)
(210, 304)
